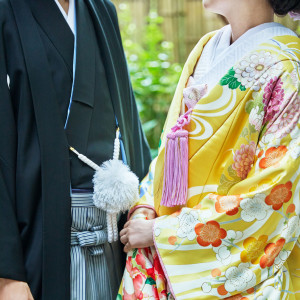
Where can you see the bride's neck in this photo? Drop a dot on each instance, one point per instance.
(247, 18)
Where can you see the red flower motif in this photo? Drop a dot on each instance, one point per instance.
(280, 194)
(140, 259)
(271, 252)
(139, 280)
(210, 234)
(273, 156)
(228, 204)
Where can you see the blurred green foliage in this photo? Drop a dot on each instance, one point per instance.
(153, 72)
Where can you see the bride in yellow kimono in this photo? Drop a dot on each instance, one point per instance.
(230, 157)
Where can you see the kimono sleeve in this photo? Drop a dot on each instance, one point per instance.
(146, 191)
(236, 244)
(11, 257)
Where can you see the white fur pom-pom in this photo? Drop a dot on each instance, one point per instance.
(116, 188)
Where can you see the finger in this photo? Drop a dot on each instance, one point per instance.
(124, 239)
(123, 231)
(127, 224)
(127, 248)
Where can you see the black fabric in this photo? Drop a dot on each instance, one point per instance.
(34, 157)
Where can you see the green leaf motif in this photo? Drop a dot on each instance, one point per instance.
(225, 185)
(232, 82)
(233, 175)
(119, 297)
(150, 281)
(244, 132)
(249, 106)
(242, 88)
(135, 251)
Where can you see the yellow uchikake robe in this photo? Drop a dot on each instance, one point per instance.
(238, 235)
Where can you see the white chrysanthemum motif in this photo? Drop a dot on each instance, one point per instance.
(187, 222)
(223, 255)
(270, 293)
(239, 278)
(256, 69)
(256, 118)
(290, 228)
(206, 287)
(254, 208)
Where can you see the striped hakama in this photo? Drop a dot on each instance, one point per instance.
(89, 272)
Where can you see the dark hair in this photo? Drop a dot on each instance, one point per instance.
(283, 7)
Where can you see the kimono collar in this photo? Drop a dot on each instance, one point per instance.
(226, 57)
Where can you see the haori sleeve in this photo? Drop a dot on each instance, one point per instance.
(238, 244)
(146, 198)
(11, 252)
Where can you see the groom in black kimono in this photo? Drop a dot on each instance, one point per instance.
(36, 167)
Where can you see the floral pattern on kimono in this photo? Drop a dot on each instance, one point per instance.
(238, 236)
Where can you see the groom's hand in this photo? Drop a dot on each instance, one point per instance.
(137, 234)
(14, 290)
(148, 212)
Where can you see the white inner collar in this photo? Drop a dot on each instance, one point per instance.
(70, 16)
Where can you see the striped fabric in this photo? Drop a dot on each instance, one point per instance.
(89, 273)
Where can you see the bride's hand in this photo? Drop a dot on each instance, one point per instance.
(137, 234)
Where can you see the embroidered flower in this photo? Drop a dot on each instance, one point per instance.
(273, 156)
(272, 98)
(254, 249)
(256, 118)
(139, 280)
(206, 287)
(287, 120)
(210, 234)
(216, 273)
(270, 293)
(239, 278)
(280, 194)
(243, 159)
(227, 204)
(172, 240)
(221, 290)
(257, 69)
(272, 250)
(187, 222)
(254, 208)
(223, 255)
(193, 94)
(281, 258)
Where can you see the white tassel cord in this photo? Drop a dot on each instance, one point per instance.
(115, 187)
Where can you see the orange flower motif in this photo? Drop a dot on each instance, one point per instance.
(172, 240)
(228, 204)
(280, 194)
(254, 249)
(221, 290)
(291, 208)
(216, 272)
(210, 234)
(273, 156)
(271, 252)
(237, 297)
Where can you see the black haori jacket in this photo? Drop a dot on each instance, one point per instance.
(34, 157)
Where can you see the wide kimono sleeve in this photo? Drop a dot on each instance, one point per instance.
(238, 243)
(11, 257)
(146, 191)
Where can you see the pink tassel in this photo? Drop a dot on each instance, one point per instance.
(175, 185)
(176, 169)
